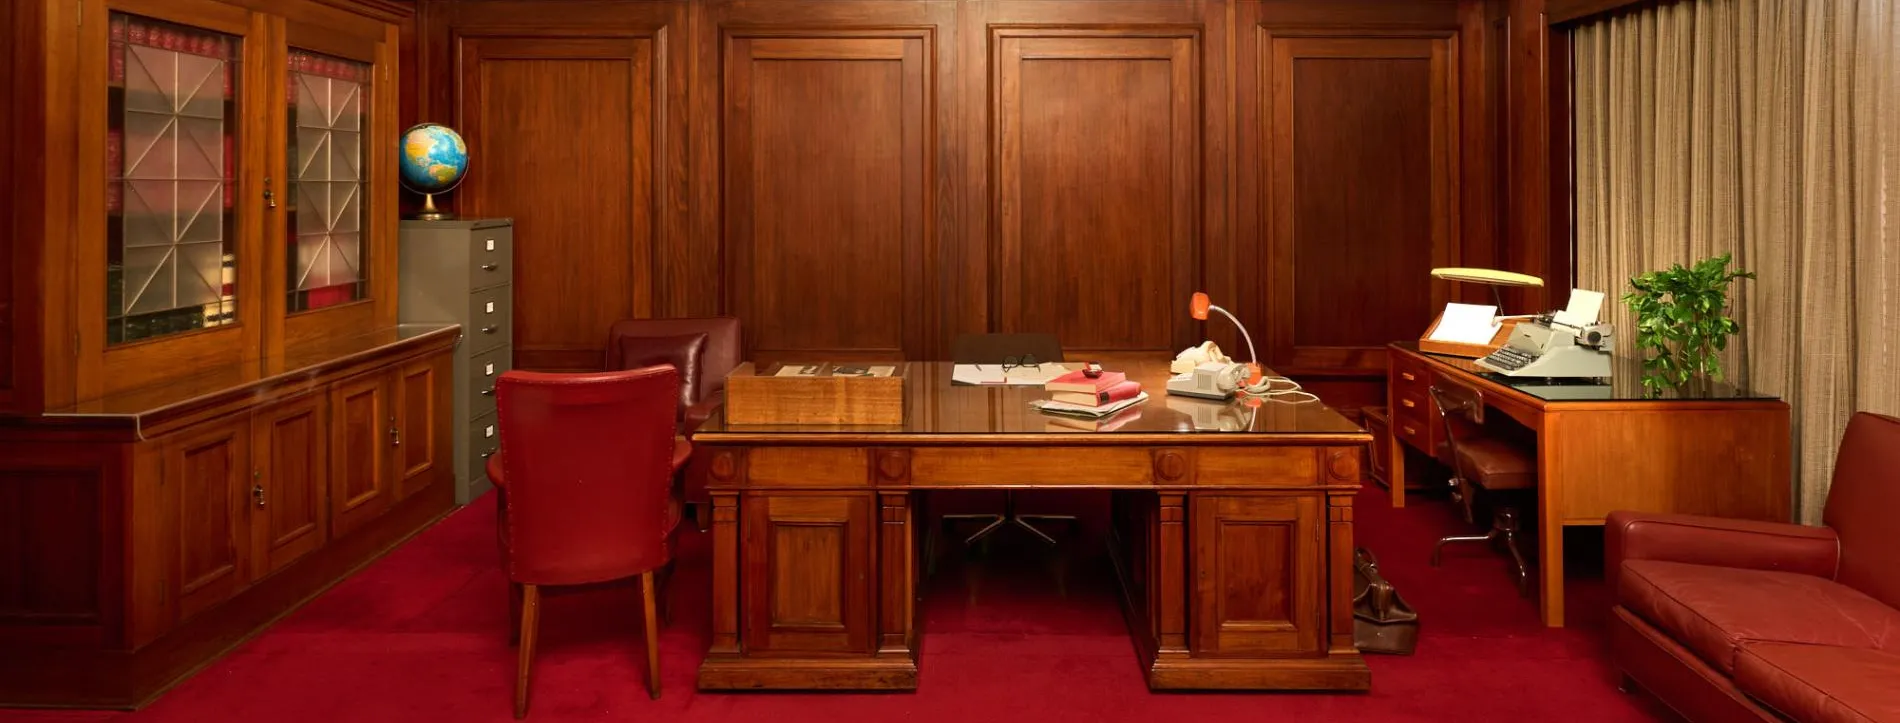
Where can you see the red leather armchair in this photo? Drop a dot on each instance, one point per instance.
(703, 363)
(585, 487)
(1730, 620)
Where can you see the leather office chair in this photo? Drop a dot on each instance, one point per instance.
(1001, 349)
(1501, 472)
(704, 350)
(585, 478)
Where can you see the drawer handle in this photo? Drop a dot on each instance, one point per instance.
(490, 329)
(489, 392)
(1409, 429)
(489, 453)
(1408, 403)
(1407, 376)
(490, 267)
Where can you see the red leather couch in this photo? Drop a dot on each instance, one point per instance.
(1729, 620)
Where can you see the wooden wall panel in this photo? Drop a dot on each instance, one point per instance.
(873, 178)
(1361, 196)
(578, 184)
(1097, 197)
(7, 230)
(828, 192)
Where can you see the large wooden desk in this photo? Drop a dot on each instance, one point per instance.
(1233, 527)
(1602, 447)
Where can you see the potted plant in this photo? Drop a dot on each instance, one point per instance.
(1682, 321)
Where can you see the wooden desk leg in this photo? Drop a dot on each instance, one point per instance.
(1395, 467)
(725, 574)
(1550, 527)
(897, 584)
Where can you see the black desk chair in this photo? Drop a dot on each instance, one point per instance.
(1010, 350)
(1503, 473)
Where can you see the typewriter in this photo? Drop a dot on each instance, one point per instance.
(1550, 349)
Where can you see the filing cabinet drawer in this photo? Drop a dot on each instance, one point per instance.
(490, 317)
(482, 371)
(484, 440)
(491, 258)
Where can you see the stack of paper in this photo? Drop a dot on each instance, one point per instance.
(1079, 410)
(1466, 324)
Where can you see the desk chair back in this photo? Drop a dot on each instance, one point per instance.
(640, 340)
(1005, 348)
(588, 459)
(1461, 410)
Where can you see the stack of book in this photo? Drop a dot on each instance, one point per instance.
(1097, 399)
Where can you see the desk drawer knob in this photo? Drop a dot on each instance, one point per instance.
(1410, 430)
(1407, 376)
(1408, 403)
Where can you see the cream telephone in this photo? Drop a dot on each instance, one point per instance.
(1204, 372)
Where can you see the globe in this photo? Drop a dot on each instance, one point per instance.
(433, 159)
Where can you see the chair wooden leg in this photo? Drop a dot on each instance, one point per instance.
(647, 585)
(530, 625)
(514, 612)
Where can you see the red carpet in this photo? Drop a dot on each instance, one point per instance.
(420, 636)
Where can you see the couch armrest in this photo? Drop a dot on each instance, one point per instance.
(1717, 541)
(698, 413)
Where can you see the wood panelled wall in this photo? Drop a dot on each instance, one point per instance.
(869, 178)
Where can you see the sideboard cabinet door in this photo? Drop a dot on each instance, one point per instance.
(1258, 566)
(807, 575)
(209, 478)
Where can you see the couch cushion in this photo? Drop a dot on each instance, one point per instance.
(1714, 610)
(682, 352)
(1821, 684)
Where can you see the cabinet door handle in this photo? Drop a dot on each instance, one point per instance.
(257, 491)
(490, 267)
(490, 329)
(1407, 376)
(395, 437)
(489, 392)
(270, 197)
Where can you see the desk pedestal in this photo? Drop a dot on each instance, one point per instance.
(1235, 560)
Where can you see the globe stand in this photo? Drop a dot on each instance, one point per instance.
(430, 213)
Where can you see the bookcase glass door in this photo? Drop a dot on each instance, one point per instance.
(171, 159)
(328, 248)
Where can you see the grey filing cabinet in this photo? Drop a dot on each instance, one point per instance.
(462, 272)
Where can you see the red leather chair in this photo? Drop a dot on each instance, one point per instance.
(585, 487)
(1733, 620)
(704, 350)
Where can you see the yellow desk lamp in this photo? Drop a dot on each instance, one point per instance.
(1490, 277)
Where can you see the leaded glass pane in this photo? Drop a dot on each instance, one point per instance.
(328, 111)
(170, 158)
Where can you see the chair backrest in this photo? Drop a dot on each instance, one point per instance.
(1461, 411)
(588, 460)
(1863, 503)
(1002, 348)
(718, 358)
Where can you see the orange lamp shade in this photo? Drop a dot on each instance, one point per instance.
(1198, 307)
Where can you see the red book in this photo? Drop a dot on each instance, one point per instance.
(1103, 398)
(1075, 381)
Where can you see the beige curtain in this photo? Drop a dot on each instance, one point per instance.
(1769, 129)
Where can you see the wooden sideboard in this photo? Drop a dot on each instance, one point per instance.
(152, 531)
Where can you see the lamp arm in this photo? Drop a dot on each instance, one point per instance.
(1251, 356)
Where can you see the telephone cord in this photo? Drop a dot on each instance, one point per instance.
(1291, 393)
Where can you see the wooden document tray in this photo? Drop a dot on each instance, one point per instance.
(1472, 351)
(756, 396)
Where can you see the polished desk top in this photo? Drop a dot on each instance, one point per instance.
(1625, 384)
(238, 378)
(935, 408)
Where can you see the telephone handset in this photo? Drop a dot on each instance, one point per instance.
(1203, 371)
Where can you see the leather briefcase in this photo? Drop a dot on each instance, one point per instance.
(1381, 621)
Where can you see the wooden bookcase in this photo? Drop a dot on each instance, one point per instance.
(208, 412)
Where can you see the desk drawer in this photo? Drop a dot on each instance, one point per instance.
(482, 370)
(1414, 433)
(491, 257)
(490, 318)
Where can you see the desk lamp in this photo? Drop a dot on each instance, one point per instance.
(1489, 277)
(1199, 307)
